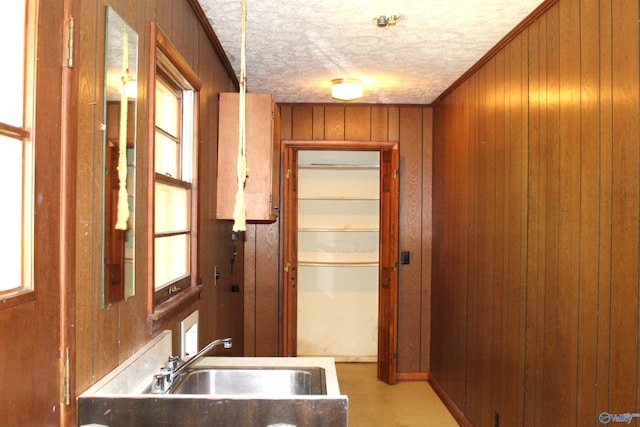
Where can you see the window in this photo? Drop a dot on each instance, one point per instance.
(17, 149)
(174, 157)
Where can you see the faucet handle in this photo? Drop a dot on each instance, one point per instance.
(173, 362)
(159, 384)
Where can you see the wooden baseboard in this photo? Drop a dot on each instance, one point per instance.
(452, 407)
(413, 376)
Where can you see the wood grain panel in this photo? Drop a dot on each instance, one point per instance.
(497, 363)
(533, 225)
(553, 217)
(302, 122)
(551, 197)
(605, 207)
(87, 224)
(286, 121)
(250, 291)
(358, 123)
(569, 233)
(589, 212)
(410, 147)
(318, 123)
(267, 289)
(427, 237)
(623, 384)
(380, 123)
(334, 123)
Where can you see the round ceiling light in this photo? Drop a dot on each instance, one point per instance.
(346, 88)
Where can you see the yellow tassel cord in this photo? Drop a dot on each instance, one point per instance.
(123, 195)
(239, 209)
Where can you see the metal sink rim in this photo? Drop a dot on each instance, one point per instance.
(317, 379)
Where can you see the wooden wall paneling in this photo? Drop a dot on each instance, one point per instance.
(302, 122)
(85, 205)
(471, 142)
(560, 192)
(286, 121)
(213, 250)
(487, 203)
(394, 125)
(605, 118)
(541, 180)
(357, 123)
(435, 351)
(267, 289)
(586, 371)
(426, 231)
(553, 217)
(409, 236)
(318, 122)
(517, 244)
(533, 227)
(459, 166)
(380, 123)
(497, 366)
(334, 122)
(624, 315)
(250, 308)
(479, 151)
(568, 291)
(524, 209)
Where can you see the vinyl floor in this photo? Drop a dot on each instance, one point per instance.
(373, 403)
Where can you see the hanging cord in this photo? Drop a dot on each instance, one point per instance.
(239, 209)
(123, 196)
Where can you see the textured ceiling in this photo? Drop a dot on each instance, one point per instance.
(295, 48)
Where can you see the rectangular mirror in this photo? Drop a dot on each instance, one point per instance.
(118, 199)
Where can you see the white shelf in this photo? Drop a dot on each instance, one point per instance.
(338, 258)
(335, 166)
(342, 229)
(336, 264)
(339, 198)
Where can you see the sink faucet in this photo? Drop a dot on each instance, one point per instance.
(175, 366)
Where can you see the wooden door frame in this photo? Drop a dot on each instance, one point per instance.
(388, 268)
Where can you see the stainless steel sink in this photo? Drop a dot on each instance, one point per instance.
(251, 381)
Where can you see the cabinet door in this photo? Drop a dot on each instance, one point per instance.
(262, 151)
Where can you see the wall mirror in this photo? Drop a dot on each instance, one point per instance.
(118, 199)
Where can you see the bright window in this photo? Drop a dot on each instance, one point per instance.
(16, 147)
(174, 159)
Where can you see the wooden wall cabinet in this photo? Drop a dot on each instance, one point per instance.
(262, 187)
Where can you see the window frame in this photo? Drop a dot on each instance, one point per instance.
(26, 135)
(167, 63)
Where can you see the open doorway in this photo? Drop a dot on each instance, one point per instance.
(386, 233)
(338, 242)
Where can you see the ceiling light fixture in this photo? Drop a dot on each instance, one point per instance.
(386, 21)
(346, 88)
